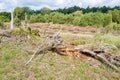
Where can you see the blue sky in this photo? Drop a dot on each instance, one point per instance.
(8, 5)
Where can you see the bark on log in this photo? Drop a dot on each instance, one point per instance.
(100, 57)
(51, 41)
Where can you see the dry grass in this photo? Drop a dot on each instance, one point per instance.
(13, 57)
(51, 67)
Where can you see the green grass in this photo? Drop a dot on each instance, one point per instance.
(106, 38)
(53, 66)
(10, 51)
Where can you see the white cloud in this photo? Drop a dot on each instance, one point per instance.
(53, 4)
(2, 6)
(59, 2)
(93, 2)
(113, 3)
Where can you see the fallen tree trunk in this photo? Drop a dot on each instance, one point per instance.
(50, 42)
(54, 41)
(4, 35)
(99, 57)
(114, 59)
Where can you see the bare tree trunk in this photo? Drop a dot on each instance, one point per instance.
(100, 57)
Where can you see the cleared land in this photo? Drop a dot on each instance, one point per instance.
(16, 51)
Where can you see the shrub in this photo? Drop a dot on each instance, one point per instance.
(113, 27)
(58, 17)
(78, 13)
(76, 21)
(107, 19)
(86, 19)
(2, 26)
(115, 15)
(45, 10)
(16, 31)
(17, 22)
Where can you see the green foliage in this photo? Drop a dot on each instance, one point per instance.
(97, 19)
(45, 10)
(37, 18)
(113, 27)
(16, 31)
(33, 19)
(69, 19)
(78, 13)
(5, 16)
(17, 21)
(95, 16)
(68, 10)
(25, 32)
(2, 25)
(34, 32)
(115, 15)
(58, 17)
(76, 21)
(86, 19)
(107, 19)
(27, 10)
(18, 12)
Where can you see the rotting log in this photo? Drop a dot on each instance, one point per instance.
(4, 35)
(100, 57)
(55, 42)
(50, 42)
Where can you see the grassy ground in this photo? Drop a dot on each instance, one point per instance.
(53, 66)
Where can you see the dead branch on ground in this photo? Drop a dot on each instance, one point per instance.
(100, 57)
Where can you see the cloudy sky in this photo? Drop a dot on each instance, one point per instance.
(8, 5)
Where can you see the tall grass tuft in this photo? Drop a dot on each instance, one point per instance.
(110, 39)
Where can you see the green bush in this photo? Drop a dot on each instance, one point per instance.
(58, 17)
(107, 19)
(115, 15)
(113, 27)
(45, 10)
(5, 16)
(86, 19)
(25, 32)
(16, 31)
(2, 26)
(37, 18)
(96, 19)
(76, 21)
(17, 22)
(78, 13)
(69, 19)
(33, 19)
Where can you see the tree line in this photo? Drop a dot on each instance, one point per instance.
(96, 16)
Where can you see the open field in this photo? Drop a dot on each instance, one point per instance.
(15, 52)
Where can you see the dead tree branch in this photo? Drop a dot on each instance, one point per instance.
(100, 57)
(49, 43)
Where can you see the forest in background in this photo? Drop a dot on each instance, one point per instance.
(106, 17)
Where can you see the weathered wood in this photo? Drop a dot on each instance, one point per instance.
(4, 35)
(100, 57)
(54, 41)
(114, 59)
(41, 48)
(51, 41)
